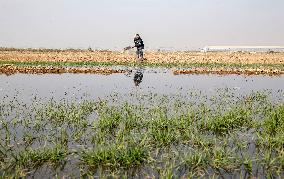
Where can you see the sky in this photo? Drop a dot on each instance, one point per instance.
(112, 24)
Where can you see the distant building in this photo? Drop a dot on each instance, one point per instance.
(243, 49)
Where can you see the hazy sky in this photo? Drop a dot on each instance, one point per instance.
(112, 24)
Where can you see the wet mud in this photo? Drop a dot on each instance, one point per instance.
(11, 69)
(230, 71)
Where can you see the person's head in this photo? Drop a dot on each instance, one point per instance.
(137, 35)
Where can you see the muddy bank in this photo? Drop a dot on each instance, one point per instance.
(11, 69)
(224, 71)
(84, 61)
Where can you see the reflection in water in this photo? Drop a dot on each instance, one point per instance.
(138, 76)
(93, 86)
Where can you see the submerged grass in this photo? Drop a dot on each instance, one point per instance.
(160, 136)
(24, 162)
(231, 120)
(115, 156)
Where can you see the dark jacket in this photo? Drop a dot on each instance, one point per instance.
(139, 42)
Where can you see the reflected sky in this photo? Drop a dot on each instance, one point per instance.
(93, 86)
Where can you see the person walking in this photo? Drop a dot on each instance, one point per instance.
(139, 45)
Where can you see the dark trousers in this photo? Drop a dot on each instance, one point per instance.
(139, 52)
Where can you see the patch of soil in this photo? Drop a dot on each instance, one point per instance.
(11, 69)
(230, 71)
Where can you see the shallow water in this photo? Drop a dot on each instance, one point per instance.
(161, 81)
(24, 87)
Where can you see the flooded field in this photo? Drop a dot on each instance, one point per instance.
(161, 81)
(143, 123)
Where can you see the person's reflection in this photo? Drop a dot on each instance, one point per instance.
(138, 76)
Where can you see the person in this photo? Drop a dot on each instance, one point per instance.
(139, 45)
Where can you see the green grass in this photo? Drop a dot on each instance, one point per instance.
(229, 121)
(198, 160)
(162, 136)
(146, 64)
(115, 156)
(22, 162)
(274, 123)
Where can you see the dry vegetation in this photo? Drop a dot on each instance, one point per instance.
(152, 57)
(236, 63)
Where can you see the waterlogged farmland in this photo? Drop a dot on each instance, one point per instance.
(152, 125)
(162, 81)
